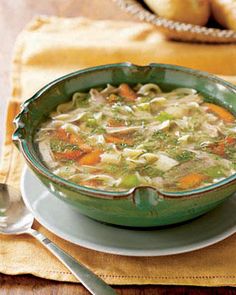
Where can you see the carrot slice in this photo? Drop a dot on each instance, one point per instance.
(68, 155)
(91, 158)
(191, 180)
(62, 134)
(73, 139)
(230, 140)
(77, 140)
(126, 92)
(219, 148)
(221, 112)
(115, 123)
(113, 139)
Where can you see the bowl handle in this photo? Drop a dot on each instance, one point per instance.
(146, 198)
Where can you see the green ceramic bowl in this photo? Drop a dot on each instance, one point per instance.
(141, 206)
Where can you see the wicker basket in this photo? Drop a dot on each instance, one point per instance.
(177, 30)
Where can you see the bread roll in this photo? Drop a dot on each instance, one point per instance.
(224, 12)
(188, 11)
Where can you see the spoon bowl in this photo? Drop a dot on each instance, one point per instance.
(15, 219)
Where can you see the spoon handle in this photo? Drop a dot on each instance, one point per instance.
(92, 282)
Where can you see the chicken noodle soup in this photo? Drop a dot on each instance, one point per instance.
(117, 138)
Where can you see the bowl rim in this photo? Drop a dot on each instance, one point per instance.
(37, 165)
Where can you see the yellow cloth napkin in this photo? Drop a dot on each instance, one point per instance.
(50, 47)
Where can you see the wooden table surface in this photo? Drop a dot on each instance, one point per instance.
(14, 14)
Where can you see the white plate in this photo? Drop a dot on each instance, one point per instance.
(65, 222)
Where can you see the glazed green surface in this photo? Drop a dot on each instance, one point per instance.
(144, 208)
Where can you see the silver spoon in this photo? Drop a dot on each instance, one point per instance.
(16, 219)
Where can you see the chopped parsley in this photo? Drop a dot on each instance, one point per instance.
(185, 156)
(60, 146)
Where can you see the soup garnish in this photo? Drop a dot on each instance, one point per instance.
(117, 138)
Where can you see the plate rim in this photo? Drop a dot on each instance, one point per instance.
(115, 250)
